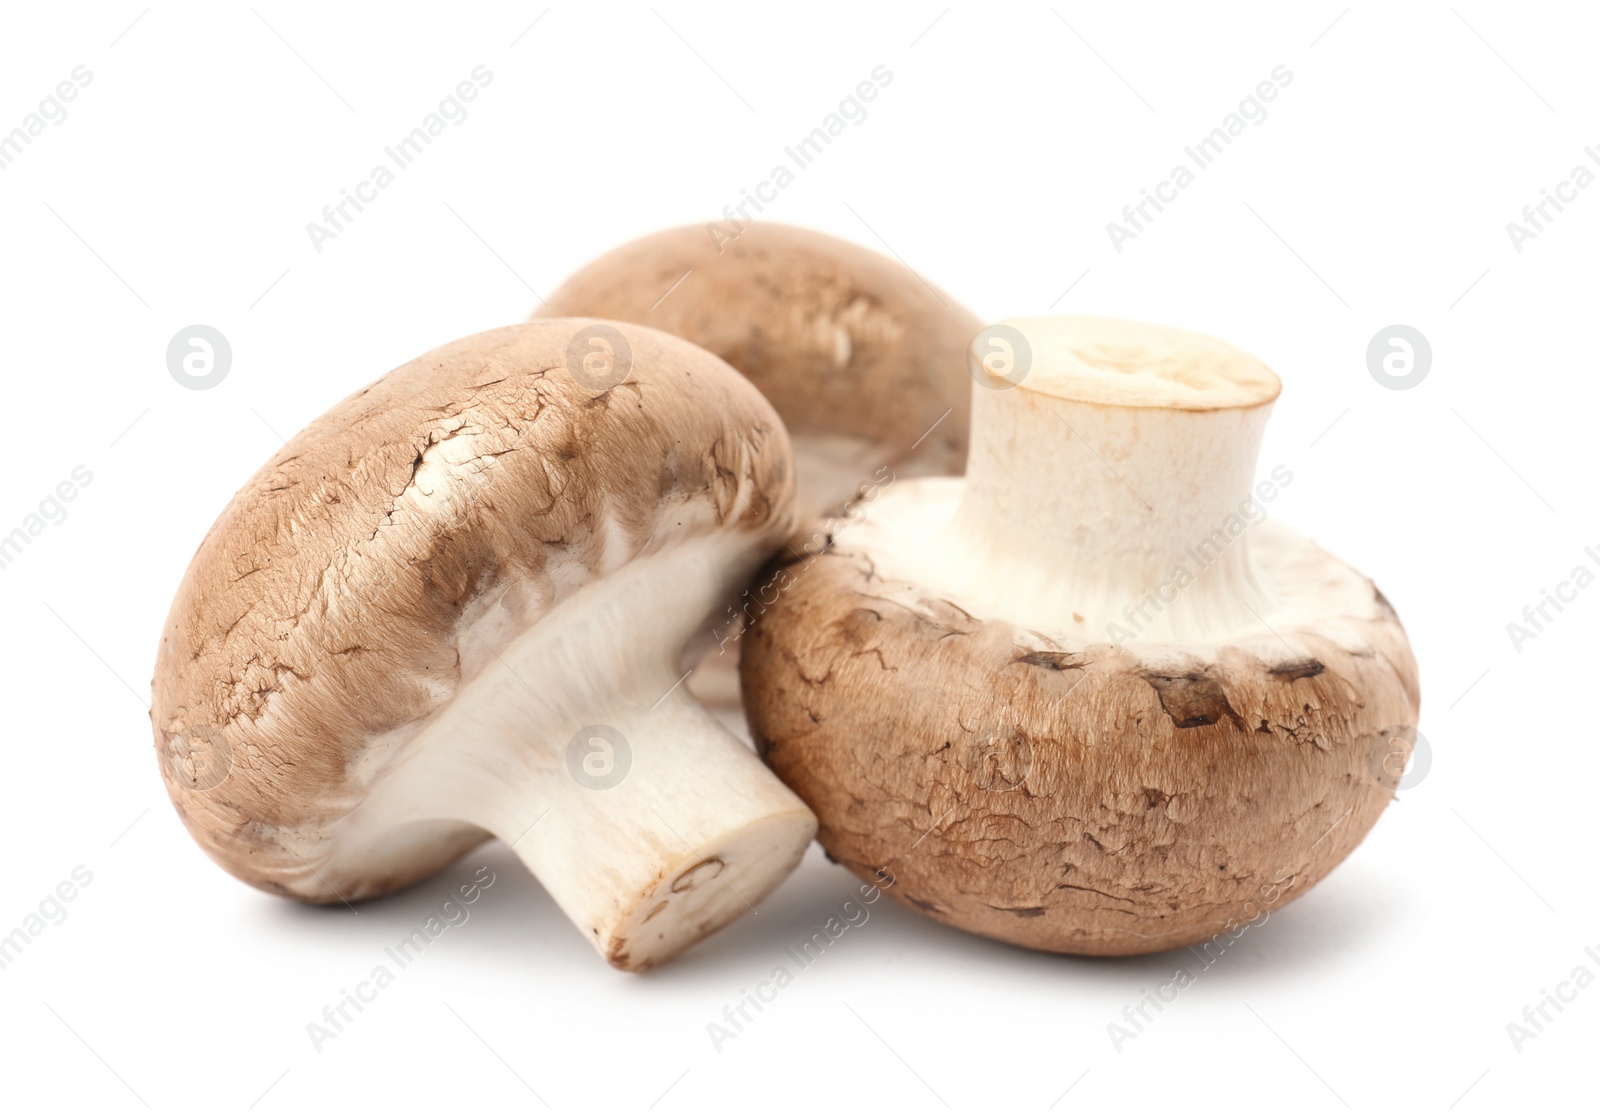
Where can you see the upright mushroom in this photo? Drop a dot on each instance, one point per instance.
(1074, 701)
(456, 605)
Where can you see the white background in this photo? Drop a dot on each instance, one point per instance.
(1377, 192)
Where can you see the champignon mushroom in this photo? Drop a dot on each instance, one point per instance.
(1074, 701)
(861, 358)
(456, 605)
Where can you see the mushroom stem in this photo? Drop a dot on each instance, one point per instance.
(664, 828)
(1099, 508)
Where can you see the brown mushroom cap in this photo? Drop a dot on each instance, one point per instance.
(858, 355)
(368, 601)
(1064, 796)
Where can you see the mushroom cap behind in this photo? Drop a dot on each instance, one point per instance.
(857, 353)
(374, 567)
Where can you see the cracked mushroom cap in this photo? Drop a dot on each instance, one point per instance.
(455, 606)
(1087, 699)
(857, 353)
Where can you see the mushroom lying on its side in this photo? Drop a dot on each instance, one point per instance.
(1069, 701)
(456, 605)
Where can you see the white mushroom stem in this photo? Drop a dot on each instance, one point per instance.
(657, 826)
(1108, 494)
(1084, 510)
(694, 834)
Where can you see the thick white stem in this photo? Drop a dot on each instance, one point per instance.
(662, 827)
(1110, 487)
(1107, 520)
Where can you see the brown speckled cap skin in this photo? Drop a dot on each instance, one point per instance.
(840, 339)
(1077, 798)
(325, 609)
